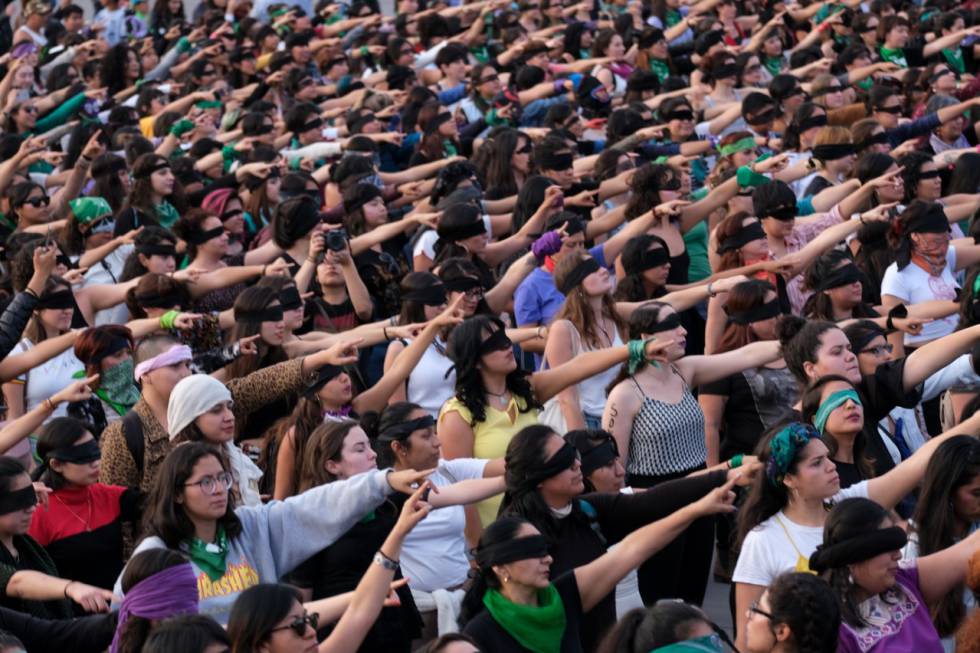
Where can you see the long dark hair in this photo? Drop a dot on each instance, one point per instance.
(851, 518)
(105, 172)
(807, 605)
(743, 297)
(256, 612)
(502, 530)
(254, 299)
(645, 185)
(632, 287)
(140, 567)
(464, 352)
(141, 192)
(764, 499)
(900, 237)
(811, 404)
(374, 424)
(954, 464)
(800, 340)
(58, 433)
(819, 305)
(642, 630)
(189, 633)
(496, 169)
(164, 516)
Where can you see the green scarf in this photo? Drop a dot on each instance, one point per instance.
(954, 57)
(865, 84)
(167, 214)
(449, 148)
(773, 64)
(481, 54)
(896, 55)
(210, 558)
(660, 69)
(537, 628)
(116, 387)
(673, 17)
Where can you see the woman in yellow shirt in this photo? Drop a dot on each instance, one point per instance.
(495, 399)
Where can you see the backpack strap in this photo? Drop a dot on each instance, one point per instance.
(133, 431)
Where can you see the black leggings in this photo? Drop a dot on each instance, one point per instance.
(680, 570)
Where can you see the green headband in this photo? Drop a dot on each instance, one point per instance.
(832, 403)
(746, 143)
(783, 448)
(88, 209)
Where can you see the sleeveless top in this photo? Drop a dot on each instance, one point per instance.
(428, 385)
(592, 391)
(666, 438)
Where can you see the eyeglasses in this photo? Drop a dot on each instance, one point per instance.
(38, 202)
(298, 625)
(880, 350)
(210, 484)
(754, 609)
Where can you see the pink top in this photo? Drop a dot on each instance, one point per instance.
(803, 234)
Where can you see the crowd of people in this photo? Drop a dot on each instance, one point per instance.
(489, 326)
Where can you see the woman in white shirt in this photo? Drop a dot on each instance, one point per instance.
(925, 266)
(781, 522)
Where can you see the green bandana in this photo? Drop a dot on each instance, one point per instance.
(832, 403)
(743, 145)
(538, 628)
(865, 84)
(87, 209)
(210, 558)
(481, 54)
(896, 55)
(773, 64)
(449, 148)
(167, 214)
(208, 104)
(708, 644)
(116, 386)
(954, 57)
(783, 448)
(673, 17)
(660, 69)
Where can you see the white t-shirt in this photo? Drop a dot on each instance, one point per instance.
(434, 554)
(767, 551)
(98, 274)
(48, 378)
(115, 24)
(913, 285)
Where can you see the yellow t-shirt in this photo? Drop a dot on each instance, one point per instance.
(491, 437)
(146, 125)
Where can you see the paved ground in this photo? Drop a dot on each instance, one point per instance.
(716, 605)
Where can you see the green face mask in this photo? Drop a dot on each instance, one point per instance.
(117, 384)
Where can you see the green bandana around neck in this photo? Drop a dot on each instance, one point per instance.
(116, 386)
(896, 55)
(210, 558)
(538, 628)
(167, 214)
(660, 69)
(449, 148)
(773, 64)
(707, 644)
(954, 57)
(88, 209)
(673, 17)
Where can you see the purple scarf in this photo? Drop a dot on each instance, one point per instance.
(168, 593)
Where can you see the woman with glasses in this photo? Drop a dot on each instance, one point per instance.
(231, 549)
(273, 618)
(798, 613)
(884, 605)
(781, 522)
(513, 603)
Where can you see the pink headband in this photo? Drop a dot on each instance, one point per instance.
(174, 355)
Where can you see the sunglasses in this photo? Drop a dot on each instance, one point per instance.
(298, 625)
(38, 202)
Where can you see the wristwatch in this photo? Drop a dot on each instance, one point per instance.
(384, 561)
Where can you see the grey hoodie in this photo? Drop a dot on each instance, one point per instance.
(276, 537)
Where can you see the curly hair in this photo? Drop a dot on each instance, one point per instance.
(464, 352)
(911, 163)
(808, 606)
